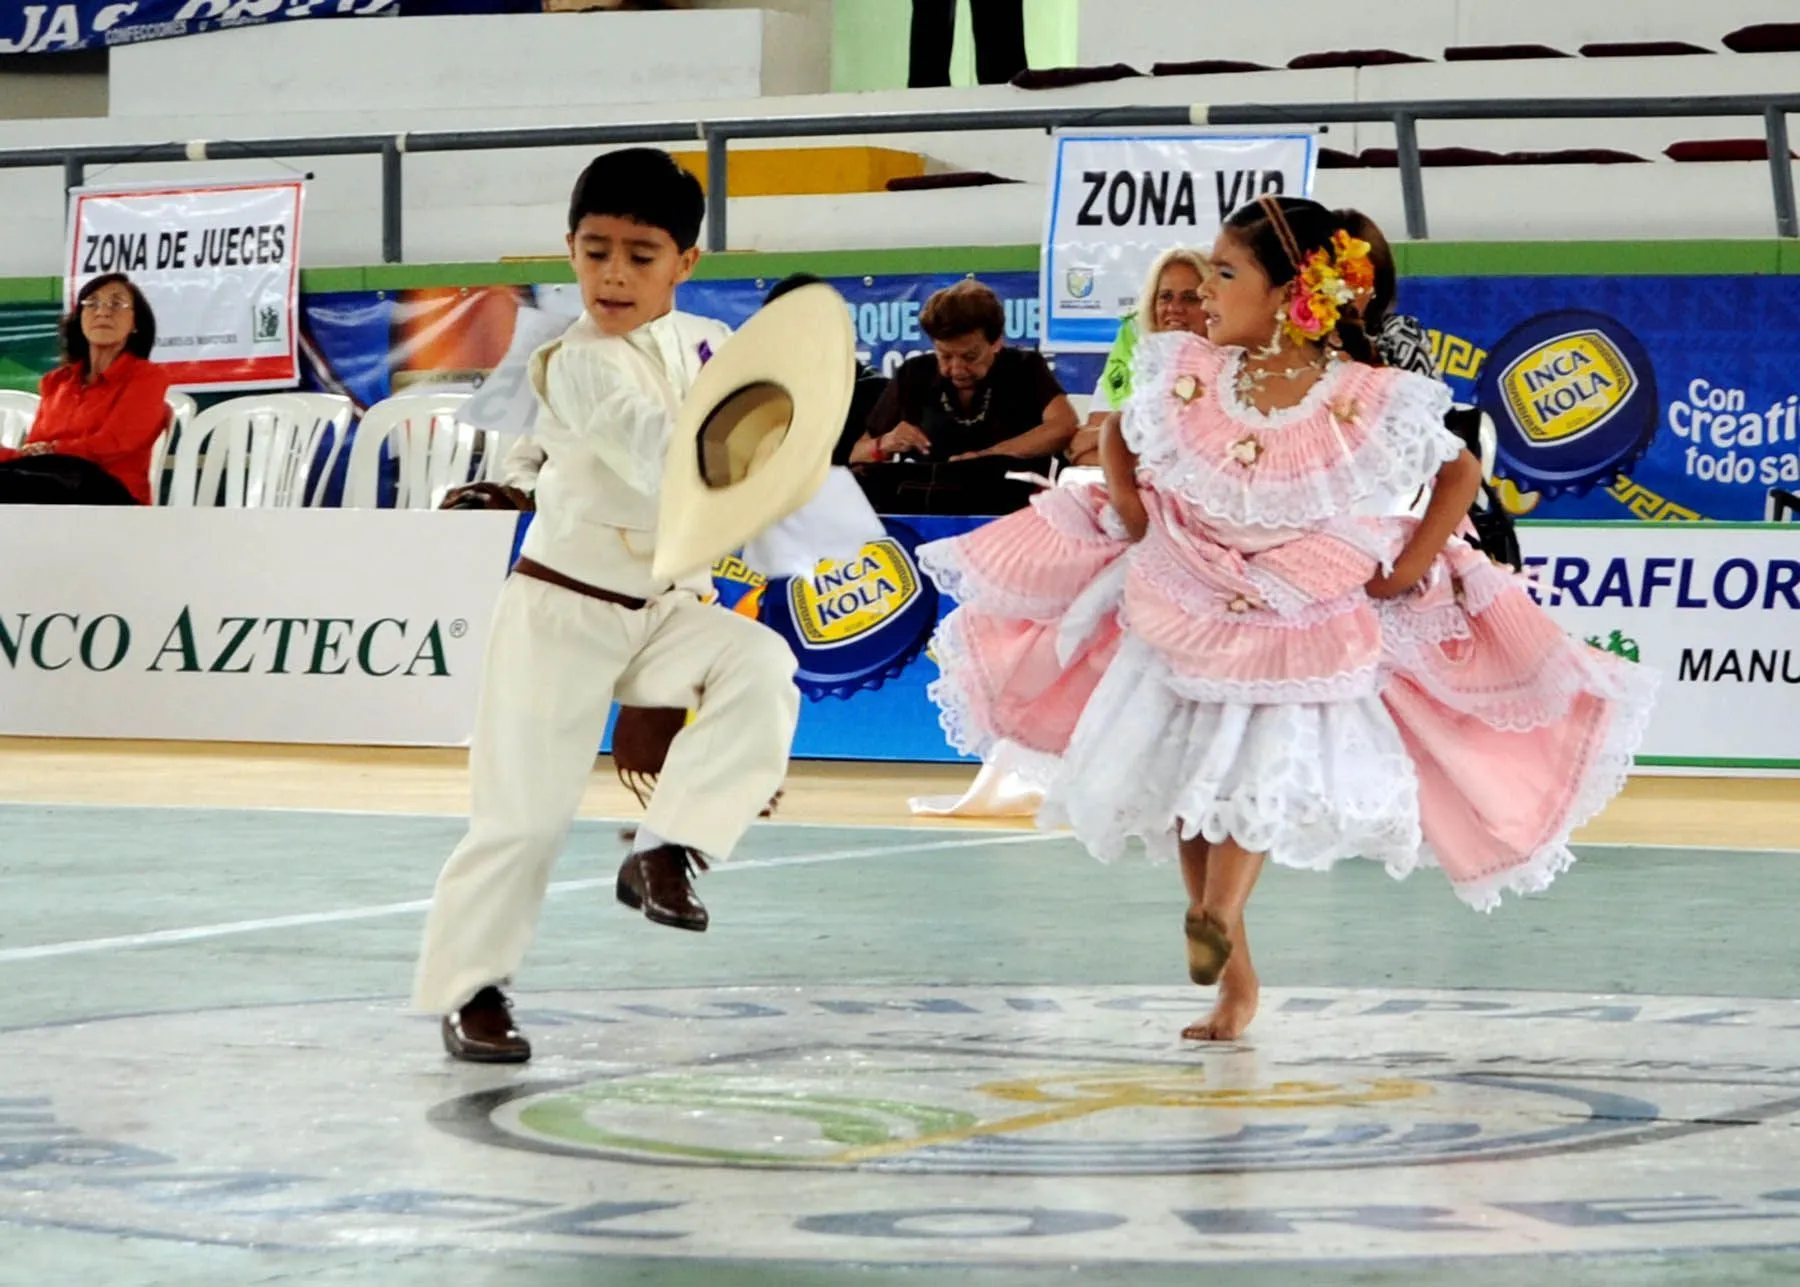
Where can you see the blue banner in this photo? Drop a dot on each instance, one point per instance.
(1620, 398)
(885, 310)
(52, 27)
(1614, 398)
(860, 633)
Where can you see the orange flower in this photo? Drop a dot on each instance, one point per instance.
(1352, 258)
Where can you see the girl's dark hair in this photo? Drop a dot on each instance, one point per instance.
(1381, 255)
(1312, 226)
(143, 320)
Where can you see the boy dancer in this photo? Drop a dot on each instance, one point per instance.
(583, 621)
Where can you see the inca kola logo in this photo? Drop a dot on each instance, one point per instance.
(1567, 387)
(841, 601)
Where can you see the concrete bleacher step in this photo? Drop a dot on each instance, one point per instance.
(1139, 32)
(480, 206)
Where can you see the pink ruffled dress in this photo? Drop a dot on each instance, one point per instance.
(1228, 675)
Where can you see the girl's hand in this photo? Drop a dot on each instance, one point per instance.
(1131, 512)
(1451, 495)
(1394, 584)
(35, 449)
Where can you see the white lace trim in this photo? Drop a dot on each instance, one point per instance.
(1404, 628)
(1312, 690)
(1483, 585)
(1261, 814)
(1543, 697)
(942, 561)
(1239, 410)
(1282, 809)
(1286, 607)
(1605, 779)
(1282, 599)
(1403, 449)
(956, 713)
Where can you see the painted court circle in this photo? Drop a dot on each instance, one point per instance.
(960, 1124)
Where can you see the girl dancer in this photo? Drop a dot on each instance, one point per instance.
(1238, 649)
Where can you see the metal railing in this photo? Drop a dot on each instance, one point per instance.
(717, 135)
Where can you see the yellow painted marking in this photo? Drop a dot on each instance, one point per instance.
(1091, 1093)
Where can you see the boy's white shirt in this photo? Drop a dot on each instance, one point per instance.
(522, 462)
(607, 405)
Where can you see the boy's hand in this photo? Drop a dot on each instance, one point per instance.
(486, 496)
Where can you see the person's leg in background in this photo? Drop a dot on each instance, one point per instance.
(59, 480)
(933, 34)
(999, 30)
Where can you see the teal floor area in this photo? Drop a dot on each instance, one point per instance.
(899, 1056)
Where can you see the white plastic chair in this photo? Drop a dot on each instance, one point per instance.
(435, 451)
(17, 411)
(263, 448)
(182, 410)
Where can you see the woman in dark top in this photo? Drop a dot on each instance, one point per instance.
(101, 410)
(954, 422)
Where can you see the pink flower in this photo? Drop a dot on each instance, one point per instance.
(1313, 315)
(1301, 314)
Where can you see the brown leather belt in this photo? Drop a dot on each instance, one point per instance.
(550, 576)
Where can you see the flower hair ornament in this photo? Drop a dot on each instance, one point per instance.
(1326, 282)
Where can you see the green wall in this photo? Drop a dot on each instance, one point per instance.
(1416, 259)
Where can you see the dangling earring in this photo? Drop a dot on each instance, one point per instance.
(1274, 346)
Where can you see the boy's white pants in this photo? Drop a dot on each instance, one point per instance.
(555, 663)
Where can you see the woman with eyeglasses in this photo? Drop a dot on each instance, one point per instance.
(101, 410)
(1170, 302)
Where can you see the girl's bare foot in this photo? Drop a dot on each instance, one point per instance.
(1239, 991)
(1235, 1008)
(1208, 947)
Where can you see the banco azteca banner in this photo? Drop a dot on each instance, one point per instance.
(346, 626)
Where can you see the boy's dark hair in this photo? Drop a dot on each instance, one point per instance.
(143, 321)
(963, 309)
(1312, 226)
(792, 282)
(645, 185)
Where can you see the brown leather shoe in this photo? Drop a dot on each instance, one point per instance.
(660, 881)
(482, 1032)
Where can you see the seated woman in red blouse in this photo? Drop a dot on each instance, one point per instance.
(102, 409)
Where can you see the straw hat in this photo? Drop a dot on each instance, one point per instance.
(753, 442)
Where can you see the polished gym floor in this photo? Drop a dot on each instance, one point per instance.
(903, 1054)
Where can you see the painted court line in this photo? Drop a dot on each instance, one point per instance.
(195, 933)
(1018, 827)
(933, 823)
